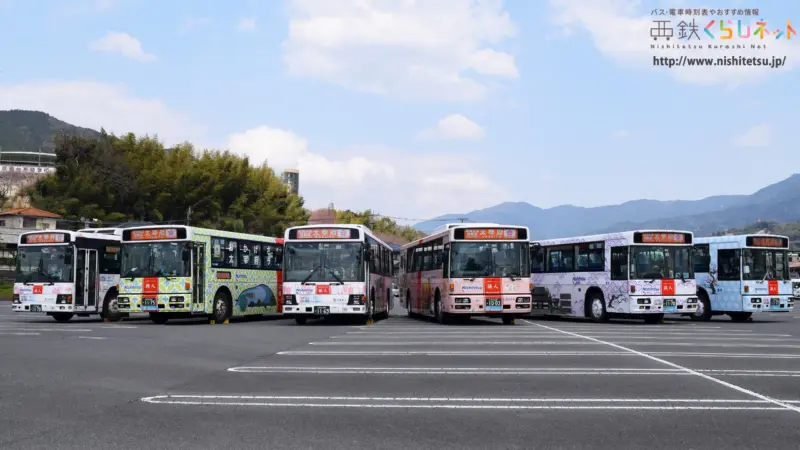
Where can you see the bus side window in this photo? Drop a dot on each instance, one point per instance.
(619, 263)
(701, 257)
(729, 265)
(537, 259)
(110, 262)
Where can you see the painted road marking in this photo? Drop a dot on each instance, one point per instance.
(90, 337)
(506, 371)
(553, 343)
(688, 370)
(533, 353)
(3, 333)
(659, 335)
(60, 330)
(465, 403)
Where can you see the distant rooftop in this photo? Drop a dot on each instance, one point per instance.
(30, 212)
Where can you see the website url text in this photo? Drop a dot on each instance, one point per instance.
(684, 61)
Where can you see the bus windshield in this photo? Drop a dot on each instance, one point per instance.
(41, 264)
(323, 262)
(661, 262)
(762, 264)
(155, 259)
(489, 259)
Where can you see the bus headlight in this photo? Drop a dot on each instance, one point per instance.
(462, 300)
(691, 300)
(15, 299)
(64, 299)
(523, 300)
(643, 301)
(356, 299)
(289, 299)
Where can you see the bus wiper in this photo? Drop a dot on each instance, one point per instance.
(48, 276)
(310, 274)
(336, 276)
(162, 274)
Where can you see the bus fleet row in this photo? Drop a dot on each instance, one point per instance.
(458, 271)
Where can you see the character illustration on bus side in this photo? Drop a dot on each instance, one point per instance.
(258, 296)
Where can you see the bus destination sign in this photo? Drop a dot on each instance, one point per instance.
(473, 234)
(663, 238)
(324, 233)
(154, 234)
(45, 238)
(767, 242)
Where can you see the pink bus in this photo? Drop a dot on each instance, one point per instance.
(465, 270)
(336, 270)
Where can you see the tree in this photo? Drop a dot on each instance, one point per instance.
(115, 179)
(379, 224)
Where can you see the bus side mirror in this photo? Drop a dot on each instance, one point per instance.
(68, 255)
(367, 254)
(187, 254)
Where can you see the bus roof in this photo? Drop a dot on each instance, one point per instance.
(56, 236)
(627, 236)
(450, 230)
(748, 240)
(328, 226)
(189, 231)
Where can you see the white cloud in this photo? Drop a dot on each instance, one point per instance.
(454, 126)
(99, 105)
(757, 136)
(122, 43)
(247, 24)
(603, 20)
(384, 180)
(412, 50)
(621, 134)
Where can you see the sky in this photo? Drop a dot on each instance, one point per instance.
(416, 108)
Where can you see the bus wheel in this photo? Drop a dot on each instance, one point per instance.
(301, 320)
(62, 317)
(441, 316)
(508, 320)
(653, 318)
(740, 316)
(159, 318)
(408, 304)
(111, 310)
(222, 310)
(389, 302)
(597, 308)
(703, 312)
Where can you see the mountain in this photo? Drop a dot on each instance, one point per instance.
(34, 130)
(778, 202)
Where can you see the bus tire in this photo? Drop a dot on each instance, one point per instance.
(111, 309)
(440, 315)
(159, 318)
(597, 308)
(653, 318)
(408, 304)
(62, 317)
(371, 311)
(300, 320)
(740, 316)
(222, 307)
(389, 302)
(508, 320)
(704, 312)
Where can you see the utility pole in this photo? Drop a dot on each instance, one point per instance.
(462, 219)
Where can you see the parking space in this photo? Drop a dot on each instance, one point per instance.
(410, 383)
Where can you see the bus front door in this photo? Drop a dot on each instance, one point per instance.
(199, 278)
(86, 281)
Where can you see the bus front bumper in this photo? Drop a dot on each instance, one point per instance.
(767, 303)
(163, 303)
(323, 309)
(475, 305)
(677, 304)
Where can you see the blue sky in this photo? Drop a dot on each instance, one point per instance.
(550, 102)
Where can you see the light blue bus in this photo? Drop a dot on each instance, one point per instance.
(741, 275)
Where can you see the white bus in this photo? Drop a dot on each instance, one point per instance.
(634, 274)
(64, 273)
(741, 275)
(336, 270)
(465, 270)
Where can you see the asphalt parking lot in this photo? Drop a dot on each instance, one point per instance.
(399, 384)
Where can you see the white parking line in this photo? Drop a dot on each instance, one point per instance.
(91, 337)
(3, 333)
(551, 343)
(463, 403)
(28, 328)
(553, 334)
(688, 370)
(536, 353)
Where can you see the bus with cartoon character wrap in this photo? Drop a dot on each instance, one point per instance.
(65, 273)
(633, 274)
(175, 272)
(336, 270)
(741, 275)
(468, 270)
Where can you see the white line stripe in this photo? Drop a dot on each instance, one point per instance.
(548, 343)
(90, 337)
(688, 370)
(120, 327)
(44, 328)
(472, 399)
(508, 371)
(444, 353)
(552, 334)
(2, 333)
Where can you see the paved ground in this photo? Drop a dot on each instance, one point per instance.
(399, 384)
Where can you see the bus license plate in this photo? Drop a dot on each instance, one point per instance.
(149, 304)
(322, 310)
(775, 302)
(669, 304)
(36, 308)
(493, 304)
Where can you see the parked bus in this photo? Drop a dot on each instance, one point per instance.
(65, 273)
(634, 274)
(176, 271)
(741, 275)
(336, 270)
(467, 270)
